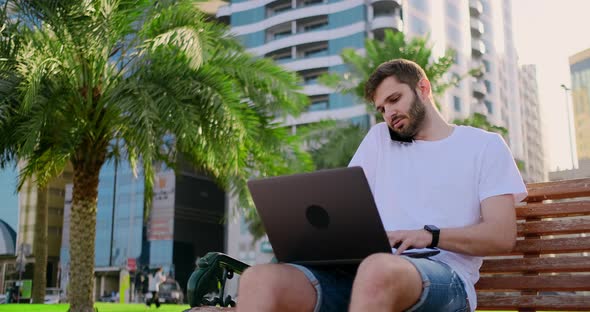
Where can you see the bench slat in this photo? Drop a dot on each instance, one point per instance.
(542, 265)
(555, 245)
(559, 303)
(554, 210)
(570, 226)
(558, 190)
(540, 283)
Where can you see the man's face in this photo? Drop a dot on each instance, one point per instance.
(401, 108)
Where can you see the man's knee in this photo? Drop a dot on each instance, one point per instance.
(385, 272)
(275, 287)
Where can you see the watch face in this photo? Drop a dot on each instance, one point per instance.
(431, 228)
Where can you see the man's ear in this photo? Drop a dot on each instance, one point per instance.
(424, 88)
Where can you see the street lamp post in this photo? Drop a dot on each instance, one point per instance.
(569, 126)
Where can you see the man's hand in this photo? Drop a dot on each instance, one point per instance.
(403, 240)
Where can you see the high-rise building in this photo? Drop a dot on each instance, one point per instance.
(28, 197)
(580, 88)
(119, 226)
(307, 36)
(185, 222)
(534, 157)
(580, 92)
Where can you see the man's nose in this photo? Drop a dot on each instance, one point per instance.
(390, 113)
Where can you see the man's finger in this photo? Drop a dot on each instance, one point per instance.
(403, 247)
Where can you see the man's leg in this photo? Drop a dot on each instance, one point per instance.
(275, 287)
(385, 282)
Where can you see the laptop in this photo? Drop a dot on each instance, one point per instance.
(323, 217)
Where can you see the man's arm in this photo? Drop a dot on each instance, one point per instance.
(495, 234)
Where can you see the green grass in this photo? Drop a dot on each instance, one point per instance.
(102, 307)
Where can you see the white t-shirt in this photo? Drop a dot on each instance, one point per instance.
(155, 280)
(439, 182)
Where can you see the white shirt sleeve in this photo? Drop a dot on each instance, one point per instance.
(499, 174)
(367, 155)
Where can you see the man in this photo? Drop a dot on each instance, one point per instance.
(155, 280)
(435, 185)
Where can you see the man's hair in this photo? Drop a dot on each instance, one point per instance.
(405, 71)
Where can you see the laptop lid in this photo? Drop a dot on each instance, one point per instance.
(327, 216)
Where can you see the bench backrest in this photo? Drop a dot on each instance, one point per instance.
(549, 268)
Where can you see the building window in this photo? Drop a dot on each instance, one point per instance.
(489, 106)
(311, 76)
(281, 54)
(457, 103)
(279, 7)
(55, 211)
(319, 102)
(453, 11)
(486, 64)
(313, 23)
(316, 52)
(282, 34)
(488, 86)
(312, 2)
(454, 34)
(421, 5)
(419, 26)
(315, 26)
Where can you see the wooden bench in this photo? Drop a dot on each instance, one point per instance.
(549, 268)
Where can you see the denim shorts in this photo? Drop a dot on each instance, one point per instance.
(443, 289)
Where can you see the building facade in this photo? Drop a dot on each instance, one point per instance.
(185, 221)
(534, 156)
(580, 91)
(28, 197)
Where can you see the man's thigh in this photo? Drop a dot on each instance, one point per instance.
(443, 290)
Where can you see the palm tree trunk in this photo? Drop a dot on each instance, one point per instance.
(82, 235)
(40, 247)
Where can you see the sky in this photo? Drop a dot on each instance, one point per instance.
(547, 33)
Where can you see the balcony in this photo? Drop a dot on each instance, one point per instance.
(313, 23)
(308, 37)
(314, 49)
(383, 22)
(475, 8)
(397, 3)
(307, 3)
(279, 32)
(316, 89)
(477, 28)
(479, 88)
(277, 7)
(224, 11)
(478, 48)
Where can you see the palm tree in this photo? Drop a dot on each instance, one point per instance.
(40, 247)
(143, 80)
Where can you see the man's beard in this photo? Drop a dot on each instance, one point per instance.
(415, 116)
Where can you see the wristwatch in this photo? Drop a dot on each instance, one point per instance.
(435, 231)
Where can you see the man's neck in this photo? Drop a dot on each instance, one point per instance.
(434, 127)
